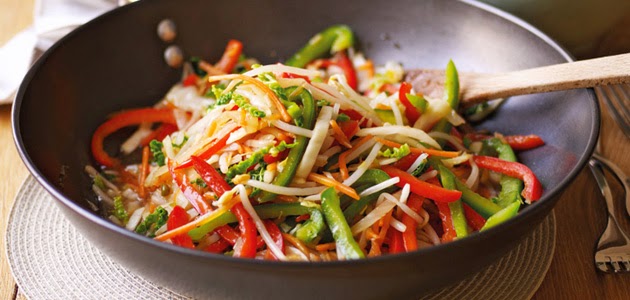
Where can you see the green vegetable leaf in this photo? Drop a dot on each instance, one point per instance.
(244, 104)
(270, 80)
(257, 174)
(399, 152)
(343, 117)
(156, 150)
(321, 103)
(119, 210)
(98, 181)
(153, 222)
(243, 166)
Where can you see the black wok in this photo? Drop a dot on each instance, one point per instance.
(116, 62)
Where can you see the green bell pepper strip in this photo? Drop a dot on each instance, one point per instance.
(503, 215)
(346, 245)
(511, 187)
(370, 178)
(333, 39)
(451, 96)
(297, 152)
(267, 211)
(457, 210)
(312, 228)
(483, 206)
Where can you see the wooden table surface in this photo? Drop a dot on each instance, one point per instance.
(580, 213)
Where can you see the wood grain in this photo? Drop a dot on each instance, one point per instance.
(580, 212)
(15, 15)
(615, 69)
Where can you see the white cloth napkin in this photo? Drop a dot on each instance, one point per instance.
(52, 20)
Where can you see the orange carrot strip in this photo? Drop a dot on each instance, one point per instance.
(343, 168)
(339, 135)
(440, 153)
(144, 171)
(274, 99)
(333, 183)
(325, 247)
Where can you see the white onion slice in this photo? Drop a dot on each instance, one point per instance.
(428, 175)
(320, 131)
(451, 139)
(134, 140)
(473, 179)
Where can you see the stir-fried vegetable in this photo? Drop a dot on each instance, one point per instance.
(324, 157)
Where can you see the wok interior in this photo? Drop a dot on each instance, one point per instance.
(116, 62)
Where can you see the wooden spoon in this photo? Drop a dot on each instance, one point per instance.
(477, 87)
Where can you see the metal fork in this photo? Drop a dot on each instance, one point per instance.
(613, 248)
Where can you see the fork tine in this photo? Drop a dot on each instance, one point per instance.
(616, 106)
(627, 265)
(602, 266)
(616, 266)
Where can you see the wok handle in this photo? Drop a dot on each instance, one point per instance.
(476, 88)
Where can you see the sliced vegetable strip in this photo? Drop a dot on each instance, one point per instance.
(410, 240)
(230, 57)
(124, 119)
(177, 218)
(190, 192)
(440, 153)
(345, 243)
(533, 188)
(421, 188)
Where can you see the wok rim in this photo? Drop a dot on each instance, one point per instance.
(549, 198)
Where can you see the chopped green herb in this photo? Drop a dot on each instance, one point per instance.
(153, 222)
(200, 183)
(399, 152)
(156, 150)
(342, 117)
(119, 210)
(258, 174)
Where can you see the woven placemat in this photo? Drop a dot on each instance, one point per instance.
(51, 260)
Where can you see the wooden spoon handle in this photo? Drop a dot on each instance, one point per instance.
(580, 74)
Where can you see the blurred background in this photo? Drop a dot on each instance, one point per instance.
(587, 28)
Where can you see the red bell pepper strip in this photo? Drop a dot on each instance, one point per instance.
(355, 115)
(230, 57)
(447, 222)
(209, 150)
(411, 112)
(190, 80)
(217, 183)
(194, 196)
(341, 60)
(475, 220)
(292, 75)
(179, 217)
(158, 134)
(532, 190)
(410, 240)
(218, 247)
(421, 188)
(124, 119)
(349, 128)
(395, 241)
(248, 232)
(230, 235)
(524, 142)
(276, 235)
(406, 162)
(210, 176)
